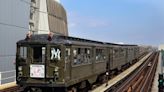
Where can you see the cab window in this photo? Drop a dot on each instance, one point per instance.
(23, 52)
(39, 54)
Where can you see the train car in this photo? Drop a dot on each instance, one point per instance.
(120, 56)
(62, 63)
(58, 61)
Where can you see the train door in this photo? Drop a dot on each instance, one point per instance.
(55, 64)
(109, 58)
(67, 68)
(22, 63)
(37, 58)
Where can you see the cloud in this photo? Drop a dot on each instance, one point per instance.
(72, 25)
(120, 42)
(81, 21)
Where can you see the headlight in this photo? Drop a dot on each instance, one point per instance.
(20, 68)
(56, 69)
(20, 74)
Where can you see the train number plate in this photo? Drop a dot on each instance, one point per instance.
(37, 71)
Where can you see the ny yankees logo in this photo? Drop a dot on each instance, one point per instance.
(55, 54)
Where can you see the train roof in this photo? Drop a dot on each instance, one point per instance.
(58, 39)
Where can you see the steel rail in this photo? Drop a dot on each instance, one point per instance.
(150, 75)
(124, 86)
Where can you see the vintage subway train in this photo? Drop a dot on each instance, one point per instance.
(68, 63)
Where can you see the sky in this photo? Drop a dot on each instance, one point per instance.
(117, 21)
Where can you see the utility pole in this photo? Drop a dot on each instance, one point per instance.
(161, 76)
(162, 60)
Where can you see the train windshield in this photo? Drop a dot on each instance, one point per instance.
(38, 54)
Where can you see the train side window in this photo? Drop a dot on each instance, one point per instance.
(100, 57)
(98, 54)
(78, 50)
(67, 54)
(77, 56)
(23, 52)
(116, 54)
(87, 55)
(43, 54)
(81, 56)
(74, 52)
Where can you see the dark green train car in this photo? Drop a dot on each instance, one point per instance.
(59, 62)
(66, 63)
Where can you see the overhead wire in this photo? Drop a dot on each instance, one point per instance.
(12, 25)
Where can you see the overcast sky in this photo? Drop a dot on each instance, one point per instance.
(127, 21)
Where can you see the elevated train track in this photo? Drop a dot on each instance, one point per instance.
(141, 79)
(137, 78)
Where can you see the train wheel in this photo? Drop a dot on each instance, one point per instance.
(27, 89)
(34, 90)
(74, 89)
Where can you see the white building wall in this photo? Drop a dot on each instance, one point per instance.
(43, 18)
(161, 47)
(12, 13)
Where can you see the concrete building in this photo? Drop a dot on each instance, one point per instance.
(161, 47)
(14, 19)
(48, 16)
(17, 17)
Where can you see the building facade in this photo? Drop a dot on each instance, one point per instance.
(17, 17)
(13, 27)
(48, 16)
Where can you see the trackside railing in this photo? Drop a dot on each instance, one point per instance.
(7, 76)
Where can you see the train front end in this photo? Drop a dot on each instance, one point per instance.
(39, 63)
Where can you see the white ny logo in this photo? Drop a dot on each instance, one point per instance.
(55, 54)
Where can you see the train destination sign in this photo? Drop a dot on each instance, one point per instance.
(37, 71)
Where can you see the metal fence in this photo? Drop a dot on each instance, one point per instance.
(7, 76)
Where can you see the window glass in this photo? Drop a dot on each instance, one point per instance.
(77, 56)
(67, 54)
(43, 54)
(81, 56)
(74, 52)
(39, 54)
(23, 52)
(100, 55)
